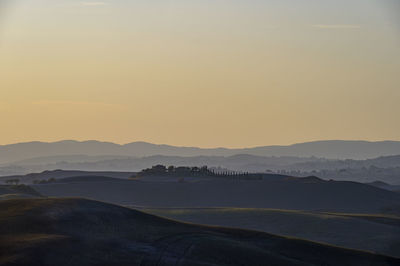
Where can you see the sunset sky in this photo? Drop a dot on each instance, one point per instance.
(202, 73)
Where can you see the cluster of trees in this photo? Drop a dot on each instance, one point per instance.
(186, 171)
(174, 171)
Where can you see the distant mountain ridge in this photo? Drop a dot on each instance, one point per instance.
(330, 149)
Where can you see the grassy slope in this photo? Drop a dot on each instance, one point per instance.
(83, 232)
(88, 178)
(17, 191)
(58, 174)
(378, 233)
(280, 194)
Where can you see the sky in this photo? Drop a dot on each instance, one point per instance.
(209, 73)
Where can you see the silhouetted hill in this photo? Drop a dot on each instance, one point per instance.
(59, 174)
(282, 193)
(384, 185)
(88, 178)
(376, 233)
(335, 149)
(17, 191)
(82, 232)
(72, 158)
(250, 163)
(385, 169)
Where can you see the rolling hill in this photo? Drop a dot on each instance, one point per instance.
(86, 178)
(280, 193)
(376, 233)
(59, 174)
(83, 232)
(17, 192)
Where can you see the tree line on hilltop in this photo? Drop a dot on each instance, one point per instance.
(186, 171)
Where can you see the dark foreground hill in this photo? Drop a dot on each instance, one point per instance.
(83, 232)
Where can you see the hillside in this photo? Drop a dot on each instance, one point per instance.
(384, 185)
(83, 232)
(86, 178)
(280, 193)
(376, 233)
(17, 191)
(59, 174)
(386, 169)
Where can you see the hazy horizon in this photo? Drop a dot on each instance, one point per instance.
(195, 146)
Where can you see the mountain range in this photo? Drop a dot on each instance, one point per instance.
(330, 149)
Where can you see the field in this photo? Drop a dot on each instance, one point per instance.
(374, 232)
(311, 194)
(84, 232)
